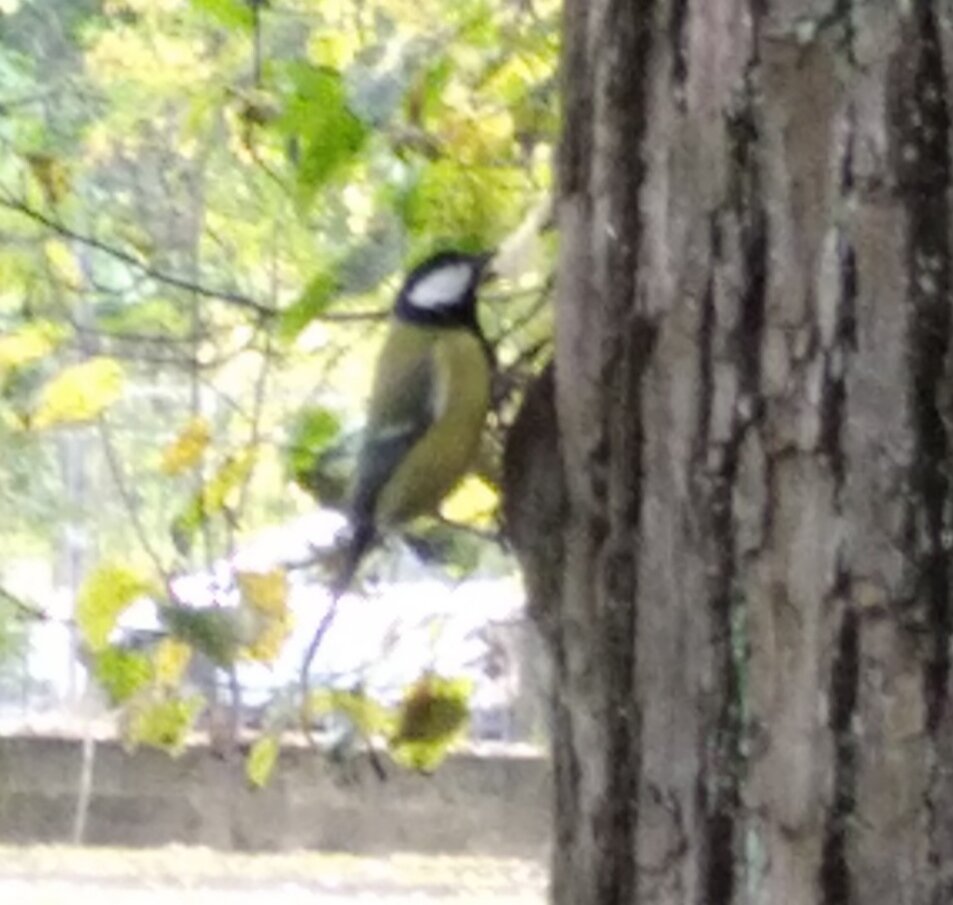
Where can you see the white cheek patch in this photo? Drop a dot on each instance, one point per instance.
(444, 286)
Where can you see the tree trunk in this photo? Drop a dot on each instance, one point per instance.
(748, 605)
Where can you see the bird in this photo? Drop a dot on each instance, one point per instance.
(429, 401)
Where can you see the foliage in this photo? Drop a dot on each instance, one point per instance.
(262, 759)
(108, 590)
(12, 638)
(205, 206)
(432, 717)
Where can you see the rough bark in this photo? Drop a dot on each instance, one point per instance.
(750, 620)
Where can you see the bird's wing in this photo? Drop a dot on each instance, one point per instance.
(459, 392)
(402, 409)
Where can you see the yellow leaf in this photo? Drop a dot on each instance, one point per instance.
(63, 263)
(269, 640)
(226, 482)
(26, 345)
(161, 721)
(185, 452)
(473, 502)
(261, 760)
(267, 592)
(106, 593)
(170, 660)
(52, 175)
(79, 393)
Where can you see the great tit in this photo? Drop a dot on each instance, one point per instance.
(428, 405)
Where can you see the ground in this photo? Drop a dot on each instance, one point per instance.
(186, 876)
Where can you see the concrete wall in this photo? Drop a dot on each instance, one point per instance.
(478, 805)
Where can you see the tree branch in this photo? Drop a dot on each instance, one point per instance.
(119, 481)
(233, 298)
(24, 609)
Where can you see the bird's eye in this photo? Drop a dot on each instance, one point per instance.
(442, 287)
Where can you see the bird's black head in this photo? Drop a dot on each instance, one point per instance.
(441, 292)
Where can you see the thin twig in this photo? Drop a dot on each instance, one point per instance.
(326, 622)
(24, 609)
(233, 298)
(119, 480)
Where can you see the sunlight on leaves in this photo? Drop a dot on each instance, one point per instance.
(108, 591)
(79, 393)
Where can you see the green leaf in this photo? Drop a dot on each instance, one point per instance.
(161, 720)
(106, 593)
(212, 499)
(79, 393)
(365, 714)
(153, 316)
(318, 116)
(122, 673)
(312, 433)
(231, 13)
(215, 631)
(261, 760)
(185, 525)
(432, 717)
(312, 303)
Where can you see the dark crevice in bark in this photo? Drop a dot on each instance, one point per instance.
(835, 876)
(924, 174)
(834, 400)
(922, 156)
(625, 53)
(753, 308)
(677, 22)
(706, 368)
(721, 794)
(746, 192)
(566, 772)
(575, 148)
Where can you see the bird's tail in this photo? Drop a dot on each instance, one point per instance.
(362, 536)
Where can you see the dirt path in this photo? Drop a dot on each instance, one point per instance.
(67, 876)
